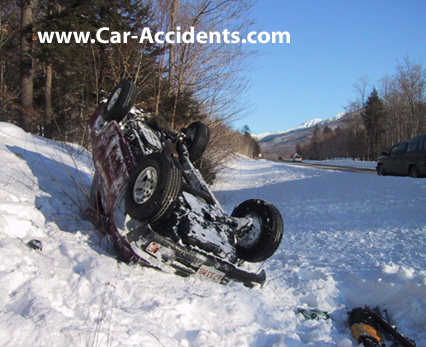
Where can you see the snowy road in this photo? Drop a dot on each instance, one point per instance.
(318, 165)
(349, 240)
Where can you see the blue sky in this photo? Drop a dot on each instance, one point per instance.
(333, 44)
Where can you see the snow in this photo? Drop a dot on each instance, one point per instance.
(350, 240)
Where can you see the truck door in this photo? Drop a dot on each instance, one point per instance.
(411, 155)
(395, 158)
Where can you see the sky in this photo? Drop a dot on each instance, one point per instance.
(334, 43)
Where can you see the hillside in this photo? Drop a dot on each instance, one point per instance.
(350, 240)
(283, 143)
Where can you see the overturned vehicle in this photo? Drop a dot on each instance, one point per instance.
(156, 205)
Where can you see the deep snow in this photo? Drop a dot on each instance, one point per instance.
(350, 239)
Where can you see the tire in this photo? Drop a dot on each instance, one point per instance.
(414, 173)
(197, 139)
(153, 189)
(381, 170)
(120, 101)
(265, 238)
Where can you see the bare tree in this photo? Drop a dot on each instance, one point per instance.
(404, 96)
(212, 71)
(411, 84)
(392, 102)
(174, 7)
(362, 87)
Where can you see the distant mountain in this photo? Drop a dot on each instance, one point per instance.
(283, 143)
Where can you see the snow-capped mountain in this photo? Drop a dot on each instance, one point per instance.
(283, 143)
(309, 124)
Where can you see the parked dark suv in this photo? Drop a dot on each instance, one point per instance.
(404, 159)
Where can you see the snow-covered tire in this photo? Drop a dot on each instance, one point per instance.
(264, 239)
(153, 189)
(120, 101)
(381, 170)
(197, 139)
(413, 173)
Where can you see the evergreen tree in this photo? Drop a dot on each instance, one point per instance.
(85, 73)
(315, 147)
(70, 79)
(246, 130)
(373, 115)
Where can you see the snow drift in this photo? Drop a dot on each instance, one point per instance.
(350, 239)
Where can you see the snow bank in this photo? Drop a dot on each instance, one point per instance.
(350, 239)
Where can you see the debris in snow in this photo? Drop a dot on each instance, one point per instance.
(35, 244)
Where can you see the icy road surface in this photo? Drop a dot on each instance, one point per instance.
(350, 240)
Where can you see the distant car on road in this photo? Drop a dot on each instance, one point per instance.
(296, 158)
(404, 159)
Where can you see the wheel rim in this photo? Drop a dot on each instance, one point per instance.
(250, 238)
(113, 99)
(145, 185)
(190, 134)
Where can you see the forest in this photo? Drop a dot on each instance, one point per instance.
(53, 89)
(392, 111)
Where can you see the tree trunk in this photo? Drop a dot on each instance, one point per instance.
(48, 113)
(2, 84)
(27, 69)
(173, 20)
(159, 86)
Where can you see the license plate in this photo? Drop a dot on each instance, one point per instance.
(153, 247)
(210, 273)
